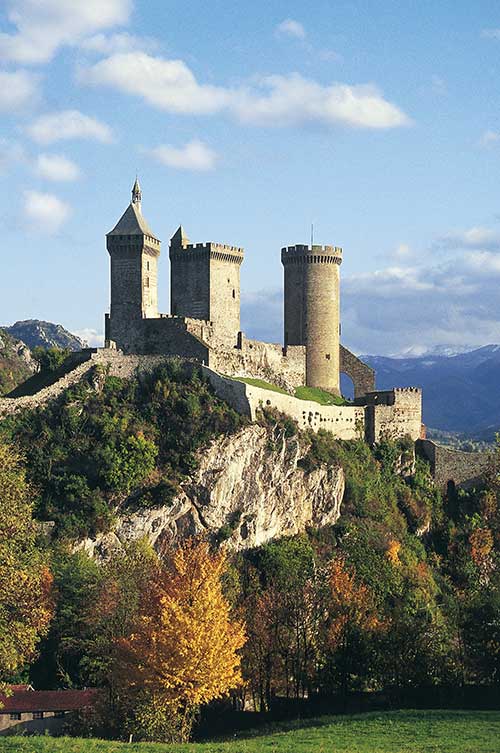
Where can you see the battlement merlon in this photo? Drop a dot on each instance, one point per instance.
(222, 251)
(302, 253)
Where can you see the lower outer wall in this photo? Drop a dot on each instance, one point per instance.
(464, 469)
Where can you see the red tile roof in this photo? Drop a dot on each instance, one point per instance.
(22, 701)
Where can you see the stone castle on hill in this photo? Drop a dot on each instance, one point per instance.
(204, 324)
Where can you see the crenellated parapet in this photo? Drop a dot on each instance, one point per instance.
(192, 252)
(315, 254)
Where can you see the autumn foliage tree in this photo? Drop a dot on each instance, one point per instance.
(352, 620)
(25, 579)
(183, 650)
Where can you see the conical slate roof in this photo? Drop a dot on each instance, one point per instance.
(132, 222)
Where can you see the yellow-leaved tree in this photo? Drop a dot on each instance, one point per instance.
(25, 579)
(184, 648)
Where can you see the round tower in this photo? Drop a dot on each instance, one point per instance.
(312, 310)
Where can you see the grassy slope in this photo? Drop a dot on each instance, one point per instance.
(384, 732)
(302, 393)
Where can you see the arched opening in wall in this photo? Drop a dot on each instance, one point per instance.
(346, 386)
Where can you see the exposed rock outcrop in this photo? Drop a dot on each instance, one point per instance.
(248, 489)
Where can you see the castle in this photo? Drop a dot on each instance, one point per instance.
(204, 325)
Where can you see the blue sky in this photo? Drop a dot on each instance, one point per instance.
(378, 121)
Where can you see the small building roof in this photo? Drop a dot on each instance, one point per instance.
(27, 701)
(132, 223)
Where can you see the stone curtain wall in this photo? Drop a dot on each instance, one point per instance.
(362, 375)
(465, 469)
(395, 413)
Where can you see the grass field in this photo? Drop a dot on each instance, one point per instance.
(384, 732)
(302, 393)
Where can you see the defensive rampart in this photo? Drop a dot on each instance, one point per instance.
(345, 422)
(464, 469)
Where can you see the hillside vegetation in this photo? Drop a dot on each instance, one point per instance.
(400, 597)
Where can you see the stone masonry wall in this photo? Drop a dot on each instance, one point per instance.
(362, 375)
(447, 464)
(393, 413)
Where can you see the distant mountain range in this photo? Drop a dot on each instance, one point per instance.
(461, 392)
(35, 333)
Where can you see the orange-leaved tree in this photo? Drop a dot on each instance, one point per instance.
(352, 619)
(184, 648)
(25, 579)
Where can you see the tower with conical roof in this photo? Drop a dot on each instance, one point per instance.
(134, 252)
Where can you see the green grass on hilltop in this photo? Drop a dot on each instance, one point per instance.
(315, 394)
(376, 732)
(260, 383)
(320, 396)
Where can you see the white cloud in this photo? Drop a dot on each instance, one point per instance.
(167, 84)
(43, 26)
(291, 28)
(57, 167)
(68, 124)
(489, 138)
(475, 237)
(17, 89)
(407, 307)
(11, 152)
(45, 211)
(195, 155)
(92, 337)
(274, 100)
(110, 44)
(293, 99)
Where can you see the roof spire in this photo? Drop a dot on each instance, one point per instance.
(137, 194)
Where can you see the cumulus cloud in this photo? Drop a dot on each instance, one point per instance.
(45, 211)
(110, 44)
(68, 124)
(409, 307)
(57, 167)
(11, 152)
(195, 155)
(92, 337)
(17, 89)
(43, 26)
(291, 28)
(273, 100)
(474, 237)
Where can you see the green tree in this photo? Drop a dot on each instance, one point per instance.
(25, 579)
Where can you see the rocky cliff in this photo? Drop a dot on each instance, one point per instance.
(16, 363)
(248, 489)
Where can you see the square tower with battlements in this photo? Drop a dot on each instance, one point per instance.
(205, 284)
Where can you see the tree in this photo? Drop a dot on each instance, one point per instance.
(25, 579)
(352, 619)
(183, 650)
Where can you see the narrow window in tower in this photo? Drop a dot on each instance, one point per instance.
(147, 266)
(147, 282)
(327, 356)
(234, 293)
